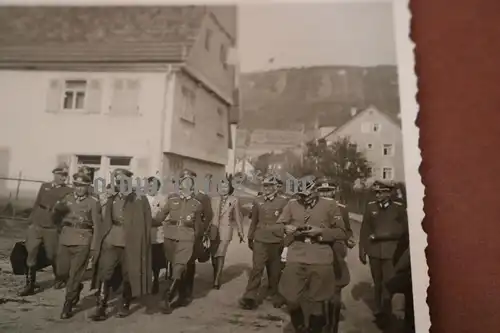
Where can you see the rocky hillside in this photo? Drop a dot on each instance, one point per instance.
(286, 98)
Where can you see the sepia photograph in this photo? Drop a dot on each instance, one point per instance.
(210, 168)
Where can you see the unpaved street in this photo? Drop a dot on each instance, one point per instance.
(213, 311)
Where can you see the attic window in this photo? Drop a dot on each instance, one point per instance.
(208, 38)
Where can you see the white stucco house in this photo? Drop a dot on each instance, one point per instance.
(145, 88)
(379, 137)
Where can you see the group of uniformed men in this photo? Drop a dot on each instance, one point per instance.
(313, 232)
(75, 227)
(311, 227)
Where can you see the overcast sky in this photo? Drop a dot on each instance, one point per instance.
(297, 35)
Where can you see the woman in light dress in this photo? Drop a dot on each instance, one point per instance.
(227, 217)
(158, 256)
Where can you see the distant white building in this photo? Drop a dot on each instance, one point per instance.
(379, 137)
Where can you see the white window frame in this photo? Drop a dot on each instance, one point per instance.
(188, 104)
(74, 91)
(391, 152)
(383, 171)
(372, 127)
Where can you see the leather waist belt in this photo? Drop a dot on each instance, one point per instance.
(79, 225)
(180, 223)
(118, 223)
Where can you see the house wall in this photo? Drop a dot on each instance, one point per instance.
(206, 63)
(389, 133)
(197, 131)
(35, 135)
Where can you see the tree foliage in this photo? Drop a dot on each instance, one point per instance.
(261, 163)
(340, 161)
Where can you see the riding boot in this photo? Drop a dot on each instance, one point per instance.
(125, 300)
(67, 311)
(219, 266)
(188, 284)
(156, 283)
(316, 324)
(170, 270)
(335, 313)
(170, 296)
(59, 283)
(77, 297)
(102, 297)
(297, 319)
(214, 267)
(29, 288)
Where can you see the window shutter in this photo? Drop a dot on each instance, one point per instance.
(94, 97)
(133, 89)
(54, 96)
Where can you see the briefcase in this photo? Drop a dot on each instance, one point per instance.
(204, 250)
(19, 255)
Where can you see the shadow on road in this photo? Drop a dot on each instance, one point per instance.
(364, 291)
(204, 278)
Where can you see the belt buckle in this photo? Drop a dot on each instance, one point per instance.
(307, 240)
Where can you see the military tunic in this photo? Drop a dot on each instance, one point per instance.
(381, 230)
(81, 217)
(342, 276)
(308, 273)
(43, 228)
(182, 226)
(267, 237)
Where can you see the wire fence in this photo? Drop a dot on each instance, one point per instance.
(15, 203)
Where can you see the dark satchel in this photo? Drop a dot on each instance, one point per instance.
(204, 250)
(19, 255)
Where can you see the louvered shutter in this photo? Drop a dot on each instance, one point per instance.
(54, 96)
(94, 97)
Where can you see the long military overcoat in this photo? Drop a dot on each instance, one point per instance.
(138, 222)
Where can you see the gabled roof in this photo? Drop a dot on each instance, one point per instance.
(371, 108)
(98, 34)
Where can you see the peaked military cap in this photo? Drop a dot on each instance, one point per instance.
(81, 178)
(307, 187)
(270, 180)
(61, 169)
(186, 173)
(382, 186)
(85, 169)
(122, 172)
(326, 184)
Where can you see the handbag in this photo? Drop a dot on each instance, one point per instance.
(204, 253)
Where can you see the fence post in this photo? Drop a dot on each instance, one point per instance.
(19, 177)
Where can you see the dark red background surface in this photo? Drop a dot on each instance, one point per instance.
(458, 65)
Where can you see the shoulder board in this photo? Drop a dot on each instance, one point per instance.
(201, 192)
(172, 195)
(293, 200)
(196, 200)
(398, 203)
(372, 202)
(327, 199)
(94, 198)
(282, 196)
(341, 205)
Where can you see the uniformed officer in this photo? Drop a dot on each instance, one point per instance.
(89, 173)
(265, 239)
(206, 216)
(183, 225)
(315, 223)
(327, 188)
(81, 215)
(384, 224)
(124, 241)
(44, 229)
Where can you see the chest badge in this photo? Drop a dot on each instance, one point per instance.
(277, 213)
(188, 218)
